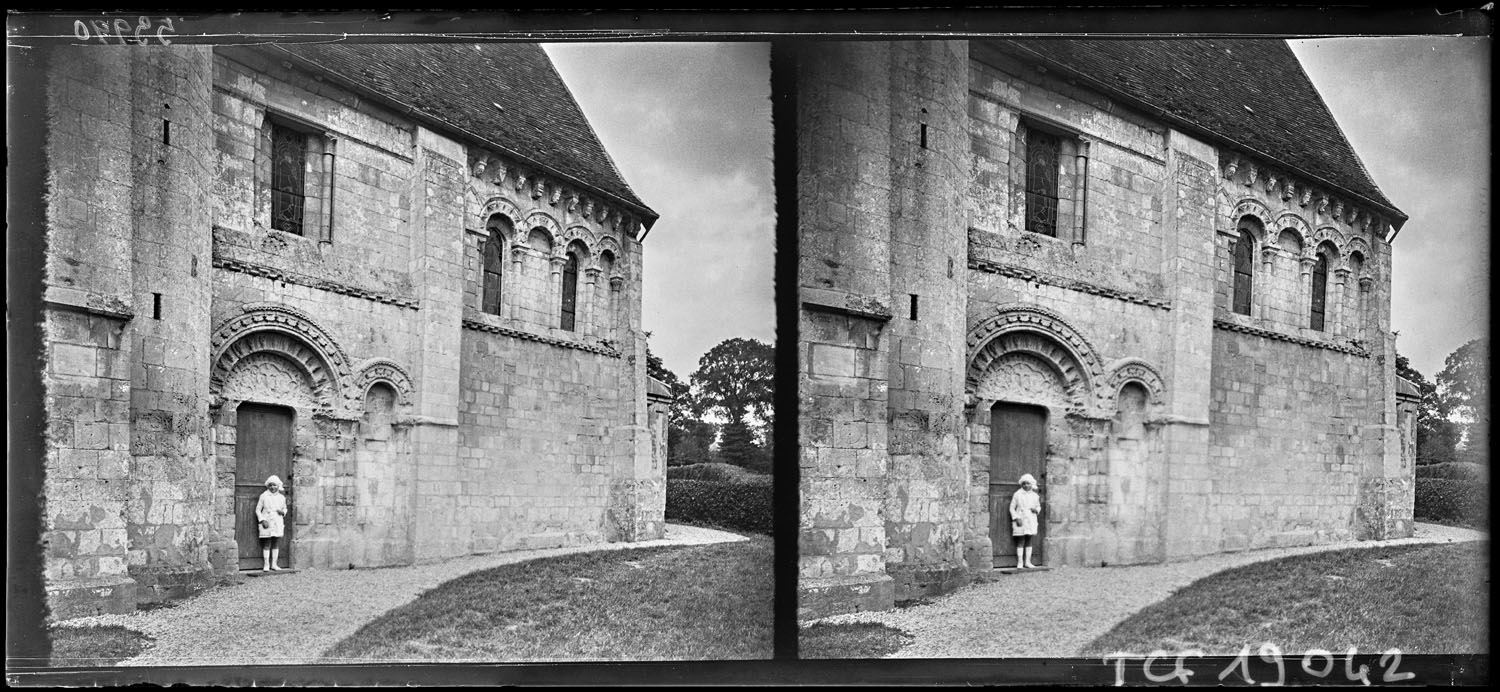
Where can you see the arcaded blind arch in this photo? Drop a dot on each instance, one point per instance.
(570, 291)
(1319, 292)
(494, 263)
(1244, 265)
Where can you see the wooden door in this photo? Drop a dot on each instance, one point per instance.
(263, 447)
(1018, 445)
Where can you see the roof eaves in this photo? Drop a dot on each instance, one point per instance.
(1399, 217)
(648, 216)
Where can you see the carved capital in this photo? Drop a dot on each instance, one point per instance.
(558, 262)
(616, 282)
(518, 253)
(1366, 282)
(1341, 275)
(1308, 262)
(591, 275)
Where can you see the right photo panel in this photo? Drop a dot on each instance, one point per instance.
(1084, 322)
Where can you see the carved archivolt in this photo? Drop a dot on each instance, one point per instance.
(1329, 234)
(537, 219)
(286, 332)
(1294, 223)
(504, 207)
(1040, 333)
(1135, 370)
(1254, 208)
(577, 234)
(384, 370)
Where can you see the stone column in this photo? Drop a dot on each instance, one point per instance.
(926, 506)
(844, 285)
(1334, 305)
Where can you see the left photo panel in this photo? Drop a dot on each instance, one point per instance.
(406, 352)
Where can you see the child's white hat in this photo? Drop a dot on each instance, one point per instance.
(1026, 478)
(271, 480)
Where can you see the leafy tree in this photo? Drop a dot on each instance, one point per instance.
(1436, 435)
(1463, 388)
(736, 381)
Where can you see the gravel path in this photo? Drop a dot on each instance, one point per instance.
(1055, 613)
(287, 619)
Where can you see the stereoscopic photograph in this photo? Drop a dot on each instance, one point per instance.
(1118, 346)
(372, 352)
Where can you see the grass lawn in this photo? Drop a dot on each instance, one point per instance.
(852, 640)
(98, 645)
(1423, 599)
(709, 602)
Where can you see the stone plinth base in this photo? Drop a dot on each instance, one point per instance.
(824, 596)
(925, 581)
(76, 598)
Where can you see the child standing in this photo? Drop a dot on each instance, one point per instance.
(1025, 505)
(269, 511)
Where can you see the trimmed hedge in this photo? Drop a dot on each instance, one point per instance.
(1453, 470)
(740, 506)
(718, 473)
(1458, 501)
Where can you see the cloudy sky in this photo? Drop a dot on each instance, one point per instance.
(1417, 110)
(689, 126)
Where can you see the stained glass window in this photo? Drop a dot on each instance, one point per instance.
(1244, 271)
(570, 291)
(1042, 151)
(288, 173)
(1319, 292)
(494, 263)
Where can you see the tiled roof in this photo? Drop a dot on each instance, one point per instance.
(507, 95)
(1249, 94)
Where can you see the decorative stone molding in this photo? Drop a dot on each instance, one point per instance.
(384, 370)
(537, 219)
(1044, 334)
(556, 196)
(580, 234)
(1288, 190)
(607, 243)
(1252, 171)
(1253, 208)
(1231, 167)
(1025, 378)
(269, 376)
(480, 326)
(1070, 284)
(1331, 236)
(1293, 222)
(290, 333)
(1135, 370)
(588, 208)
(1227, 325)
(268, 272)
(504, 207)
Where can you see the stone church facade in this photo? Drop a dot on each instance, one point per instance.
(1153, 274)
(405, 278)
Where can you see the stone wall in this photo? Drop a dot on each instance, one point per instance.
(172, 302)
(128, 484)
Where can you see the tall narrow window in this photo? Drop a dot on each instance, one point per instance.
(1244, 270)
(1041, 181)
(494, 252)
(570, 291)
(288, 173)
(1319, 292)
